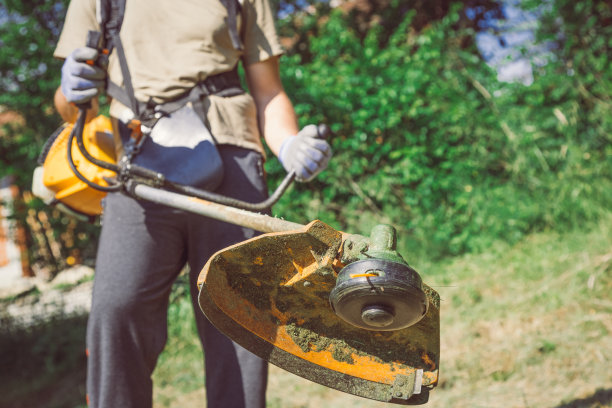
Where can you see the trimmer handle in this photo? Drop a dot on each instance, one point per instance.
(323, 131)
(92, 41)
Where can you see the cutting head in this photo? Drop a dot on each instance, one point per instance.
(378, 294)
(271, 294)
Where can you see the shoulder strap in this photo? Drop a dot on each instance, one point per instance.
(110, 17)
(233, 7)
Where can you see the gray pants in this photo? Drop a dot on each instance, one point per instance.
(143, 246)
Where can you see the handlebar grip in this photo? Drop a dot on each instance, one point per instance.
(93, 41)
(323, 131)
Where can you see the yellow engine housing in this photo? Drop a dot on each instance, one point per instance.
(61, 180)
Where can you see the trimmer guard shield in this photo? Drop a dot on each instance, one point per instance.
(270, 295)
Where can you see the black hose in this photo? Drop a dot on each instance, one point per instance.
(232, 202)
(77, 131)
(79, 139)
(157, 178)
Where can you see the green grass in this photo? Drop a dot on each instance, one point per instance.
(44, 365)
(539, 327)
(179, 369)
(523, 325)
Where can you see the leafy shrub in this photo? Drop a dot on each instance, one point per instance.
(428, 140)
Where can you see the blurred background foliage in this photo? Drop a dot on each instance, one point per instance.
(429, 140)
(425, 135)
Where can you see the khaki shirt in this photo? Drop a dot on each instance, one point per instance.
(172, 45)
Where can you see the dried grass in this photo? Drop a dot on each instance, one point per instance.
(524, 326)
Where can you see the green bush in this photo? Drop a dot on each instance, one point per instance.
(427, 139)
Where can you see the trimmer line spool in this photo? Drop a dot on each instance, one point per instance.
(378, 290)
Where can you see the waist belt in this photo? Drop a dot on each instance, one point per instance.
(225, 84)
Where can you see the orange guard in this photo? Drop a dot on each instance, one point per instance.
(270, 295)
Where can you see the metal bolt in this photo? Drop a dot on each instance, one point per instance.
(377, 316)
(399, 394)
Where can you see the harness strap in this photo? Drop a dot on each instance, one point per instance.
(232, 11)
(225, 84)
(125, 72)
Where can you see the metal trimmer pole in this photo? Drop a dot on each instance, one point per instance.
(256, 221)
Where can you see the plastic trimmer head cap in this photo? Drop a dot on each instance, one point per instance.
(271, 294)
(377, 294)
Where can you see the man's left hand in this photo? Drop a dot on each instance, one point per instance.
(305, 153)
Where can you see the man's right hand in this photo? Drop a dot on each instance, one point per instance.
(80, 80)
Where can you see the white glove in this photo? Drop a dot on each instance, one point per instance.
(306, 153)
(81, 81)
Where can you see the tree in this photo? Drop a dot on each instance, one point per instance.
(29, 76)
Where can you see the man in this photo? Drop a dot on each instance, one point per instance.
(170, 48)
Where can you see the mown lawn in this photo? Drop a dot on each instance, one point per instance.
(527, 325)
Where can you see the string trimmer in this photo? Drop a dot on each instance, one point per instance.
(345, 311)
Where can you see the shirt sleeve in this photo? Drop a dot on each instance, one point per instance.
(80, 18)
(259, 35)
